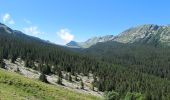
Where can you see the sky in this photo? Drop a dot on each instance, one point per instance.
(61, 21)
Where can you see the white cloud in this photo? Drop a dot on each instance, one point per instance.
(7, 19)
(27, 21)
(32, 30)
(65, 35)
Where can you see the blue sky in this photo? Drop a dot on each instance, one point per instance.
(61, 21)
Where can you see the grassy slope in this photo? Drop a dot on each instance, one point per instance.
(15, 86)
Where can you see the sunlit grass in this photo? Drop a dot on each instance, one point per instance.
(15, 86)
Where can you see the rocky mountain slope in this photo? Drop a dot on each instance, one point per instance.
(145, 34)
(16, 86)
(90, 42)
(149, 33)
(19, 67)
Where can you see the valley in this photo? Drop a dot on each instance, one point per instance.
(84, 50)
(137, 70)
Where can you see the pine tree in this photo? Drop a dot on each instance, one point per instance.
(13, 59)
(59, 81)
(111, 95)
(2, 64)
(81, 84)
(76, 79)
(60, 74)
(100, 87)
(148, 95)
(92, 84)
(43, 78)
(46, 69)
(26, 63)
(69, 77)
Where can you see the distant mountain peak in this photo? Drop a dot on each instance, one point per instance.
(72, 44)
(145, 34)
(90, 42)
(148, 33)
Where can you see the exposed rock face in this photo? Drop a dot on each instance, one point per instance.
(135, 34)
(145, 34)
(141, 34)
(90, 42)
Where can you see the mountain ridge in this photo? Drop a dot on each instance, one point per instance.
(5, 29)
(90, 42)
(148, 33)
(115, 67)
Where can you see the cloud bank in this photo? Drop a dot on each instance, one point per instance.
(7, 19)
(65, 35)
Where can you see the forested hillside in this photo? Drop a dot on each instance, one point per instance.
(30, 49)
(146, 58)
(138, 64)
(130, 71)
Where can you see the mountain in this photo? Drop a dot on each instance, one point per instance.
(90, 42)
(73, 44)
(4, 28)
(15, 44)
(145, 34)
(10, 32)
(128, 70)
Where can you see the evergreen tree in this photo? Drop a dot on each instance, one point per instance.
(148, 96)
(92, 84)
(76, 79)
(13, 59)
(69, 77)
(2, 64)
(81, 84)
(111, 95)
(59, 81)
(46, 69)
(26, 63)
(100, 87)
(43, 78)
(60, 76)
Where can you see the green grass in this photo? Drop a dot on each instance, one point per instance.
(16, 87)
